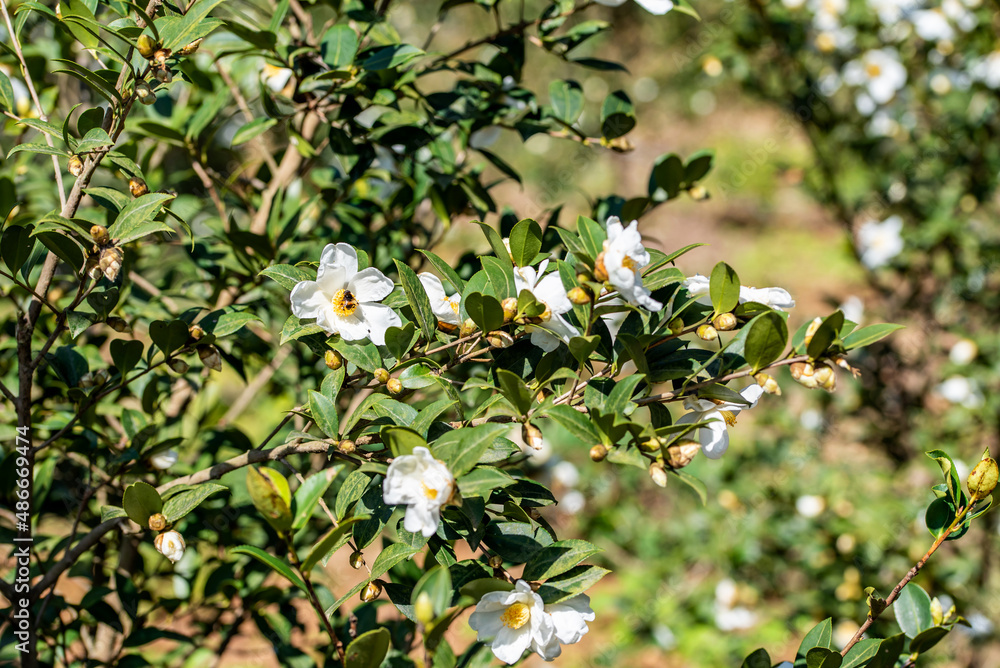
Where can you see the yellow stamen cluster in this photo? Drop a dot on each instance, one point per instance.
(429, 492)
(344, 303)
(729, 417)
(516, 616)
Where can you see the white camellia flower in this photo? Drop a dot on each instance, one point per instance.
(624, 258)
(549, 291)
(445, 308)
(961, 391)
(164, 460)
(658, 7)
(879, 71)
(987, 69)
(714, 437)
(880, 242)
(344, 300)
(932, 25)
(424, 484)
(510, 622)
(171, 545)
(777, 298)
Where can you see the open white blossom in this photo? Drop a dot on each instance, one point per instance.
(445, 308)
(171, 545)
(961, 391)
(777, 298)
(549, 291)
(658, 7)
(714, 437)
(344, 300)
(164, 460)
(987, 69)
(879, 71)
(932, 25)
(880, 242)
(424, 484)
(624, 258)
(510, 622)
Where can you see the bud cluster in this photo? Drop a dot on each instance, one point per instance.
(820, 376)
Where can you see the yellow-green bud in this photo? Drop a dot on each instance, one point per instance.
(75, 165)
(101, 376)
(578, 296)
(99, 234)
(333, 359)
(826, 377)
(210, 357)
(600, 271)
(658, 474)
(137, 187)
(357, 559)
(500, 339)
(681, 454)
(937, 612)
(163, 75)
(676, 326)
(147, 46)
(983, 478)
(584, 277)
(86, 380)
(190, 48)
(768, 382)
(395, 386)
(423, 609)
(118, 324)
(196, 332)
(509, 308)
(698, 193)
(707, 333)
(178, 365)
(347, 446)
(532, 436)
(381, 375)
(724, 322)
(496, 561)
(157, 522)
(599, 452)
(650, 445)
(468, 327)
(372, 591)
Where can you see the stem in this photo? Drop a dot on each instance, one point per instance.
(314, 600)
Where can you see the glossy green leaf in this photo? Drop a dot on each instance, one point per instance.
(288, 276)
(272, 562)
(557, 558)
(179, 505)
(617, 115)
(324, 413)
(485, 310)
(402, 440)
(461, 449)
(253, 129)
(566, 98)
(271, 496)
(416, 295)
(339, 45)
(869, 335)
(515, 391)
(140, 501)
(368, 649)
(724, 288)
(136, 219)
(765, 341)
(331, 541)
(309, 493)
(913, 610)
(525, 242)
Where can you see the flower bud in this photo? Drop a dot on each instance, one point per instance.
(768, 382)
(805, 374)
(599, 452)
(148, 99)
(99, 234)
(171, 545)
(681, 454)
(578, 296)
(86, 381)
(111, 263)
(600, 271)
(381, 375)
(178, 365)
(357, 559)
(707, 333)
(101, 376)
(163, 75)
(196, 332)
(395, 386)
(372, 591)
(698, 193)
(190, 48)
(423, 609)
(157, 522)
(658, 474)
(210, 357)
(137, 187)
(160, 57)
(826, 377)
(333, 359)
(347, 446)
(468, 327)
(500, 339)
(813, 326)
(983, 478)
(724, 322)
(937, 612)
(532, 436)
(75, 165)
(147, 46)
(676, 326)
(509, 308)
(650, 445)
(164, 460)
(584, 277)
(142, 90)
(496, 561)
(118, 324)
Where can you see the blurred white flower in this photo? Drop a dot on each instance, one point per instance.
(793, 4)
(728, 617)
(777, 298)
(573, 502)
(566, 474)
(549, 291)
(879, 71)
(811, 419)
(658, 7)
(170, 544)
(980, 625)
(891, 11)
(987, 69)
(827, 13)
(963, 352)
(960, 390)
(624, 258)
(853, 309)
(446, 309)
(959, 13)
(664, 637)
(881, 125)
(485, 137)
(932, 25)
(510, 622)
(838, 38)
(714, 438)
(344, 300)
(810, 505)
(697, 285)
(880, 242)
(421, 482)
(276, 78)
(164, 460)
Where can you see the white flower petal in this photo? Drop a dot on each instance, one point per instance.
(379, 318)
(658, 7)
(350, 328)
(570, 618)
(308, 301)
(370, 285)
(510, 644)
(714, 437)
(551, 291)
(338, 255)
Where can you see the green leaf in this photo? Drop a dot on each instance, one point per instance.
(482, 481)
(189, 27)
(950, 474)
(446, 271)
(869, 335)
(94, 139)
(913, 610)
(617, 115)
(270, 495)
(416, 296)
(574, 581)
(334, 538)
(696, 485)
(717, 392)
(759, 659)
(254, 128)
(515, 391)
(566, 98)
(136, 219)
(169, 335)
(126, 354)
(324, 412)
(765, 341)
(724, 288)
(368, 649)
(388, 57)
(888, 651)
(363, 354)
(592, 235)
(436, 583)
(181, 504)
(272, 562)
(928, 638)
(496, 243)
(525, 242)
(461, 449)
(390, 556)
(402, 440)
(557, 558)
(112, 513)
(826, 334)
(484, 310)
(820, 657)
(620, 398)
(16, 245)
(575, 423)
(352, 489)
(309, 493)
(339, 45)
(77, 71)
(820, 635)
(288, 276)
(863, 652)
(939, 516)
(140, 501)
(500, 276)
(6, 94)
(698, 166)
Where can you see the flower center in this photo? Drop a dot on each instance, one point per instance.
(729, 417)
(516, 616)
(344, 303)
(429, 492)
(452, 303)
(628, 263)
(873, 70)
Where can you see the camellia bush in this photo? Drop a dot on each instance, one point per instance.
(236, 358)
